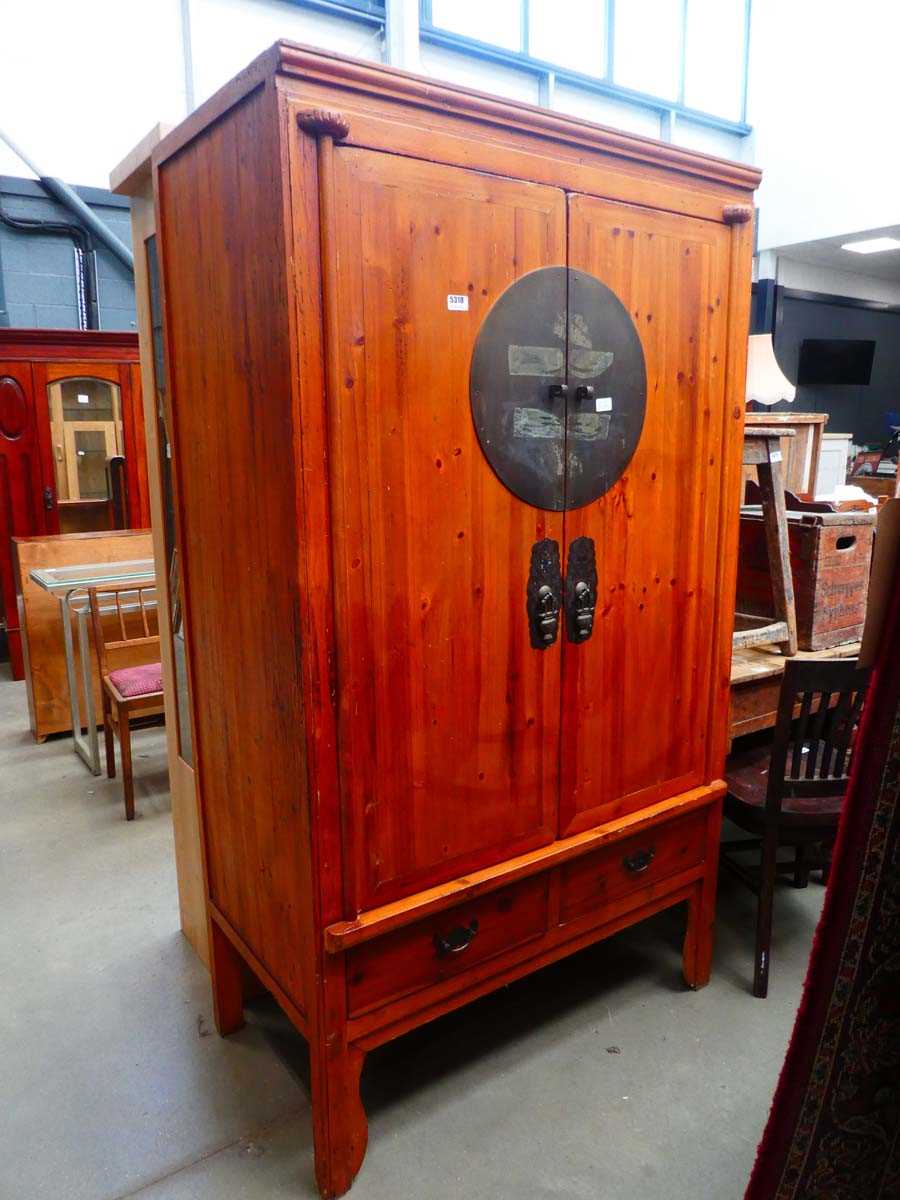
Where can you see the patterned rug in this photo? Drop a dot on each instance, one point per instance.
(834, 1129)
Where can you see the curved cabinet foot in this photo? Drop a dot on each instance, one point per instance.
(340, 1128)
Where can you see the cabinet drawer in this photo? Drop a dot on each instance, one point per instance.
(445, 945)
(629, 865)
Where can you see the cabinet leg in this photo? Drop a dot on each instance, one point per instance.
(698, 939)
(227, 982)
(340, 1128)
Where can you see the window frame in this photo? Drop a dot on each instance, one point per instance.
(548, 73)
(371, 12)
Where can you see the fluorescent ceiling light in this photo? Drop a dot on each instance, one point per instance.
(872, 245)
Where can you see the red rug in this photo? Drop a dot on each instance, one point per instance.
(834, 1129)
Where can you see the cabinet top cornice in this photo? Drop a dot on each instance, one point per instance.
(297, 62)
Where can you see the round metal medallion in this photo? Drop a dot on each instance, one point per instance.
(558, 388)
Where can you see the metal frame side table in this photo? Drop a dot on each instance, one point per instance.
(65, 583)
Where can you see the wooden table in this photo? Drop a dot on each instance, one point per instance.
(756, 682)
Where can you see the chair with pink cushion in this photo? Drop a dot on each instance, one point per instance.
(126, 629)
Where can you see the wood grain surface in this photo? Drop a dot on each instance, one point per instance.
(640, 685)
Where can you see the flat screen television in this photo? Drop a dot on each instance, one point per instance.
(835, 361)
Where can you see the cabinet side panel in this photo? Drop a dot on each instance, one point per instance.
(227, 340)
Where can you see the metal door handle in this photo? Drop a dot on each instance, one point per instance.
(557, 391)
(49, 498)
(457, 939)
(544, 594)
(584, 391)
(639, 861)
(581, 589)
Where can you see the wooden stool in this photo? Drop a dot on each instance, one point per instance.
(762, 449)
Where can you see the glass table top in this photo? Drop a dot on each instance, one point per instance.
(67, 579)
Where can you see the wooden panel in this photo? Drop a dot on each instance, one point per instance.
(135, 448)
(439, 136)
(878, 485)
(597, 879)
(42, 631)
(640, 684)
(230, 372)
(75, 368)
(390, 1021)
(67, 345)
(411, 959)
(343, 935)
(22, 511)
(448, 717)
(182, 783)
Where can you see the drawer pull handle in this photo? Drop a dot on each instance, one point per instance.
(456, 940)
(639, 861)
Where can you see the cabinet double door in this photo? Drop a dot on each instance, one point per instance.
(530, 395)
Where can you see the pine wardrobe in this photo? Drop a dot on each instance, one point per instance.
(456, 393)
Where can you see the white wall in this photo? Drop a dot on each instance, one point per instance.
(228, 34)
(478, 74)
(606, 111)
(824, 92)
(82, 82)
(811, 277)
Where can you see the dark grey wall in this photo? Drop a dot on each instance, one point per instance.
(857, 410)
(37, 272)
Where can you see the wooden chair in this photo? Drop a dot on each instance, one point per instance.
(123, 618)
(790, 793)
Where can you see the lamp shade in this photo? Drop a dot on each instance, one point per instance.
(766, 382)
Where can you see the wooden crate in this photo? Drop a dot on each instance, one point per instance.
(830, 557)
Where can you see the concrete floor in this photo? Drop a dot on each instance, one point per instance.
(600, 1078)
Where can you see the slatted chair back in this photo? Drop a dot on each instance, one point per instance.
(124, 618)
(818, 717)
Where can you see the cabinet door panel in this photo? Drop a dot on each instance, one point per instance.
(635, 695)
(448, 720)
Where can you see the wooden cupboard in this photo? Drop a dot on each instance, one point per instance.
(70, 400)
(457, 406)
